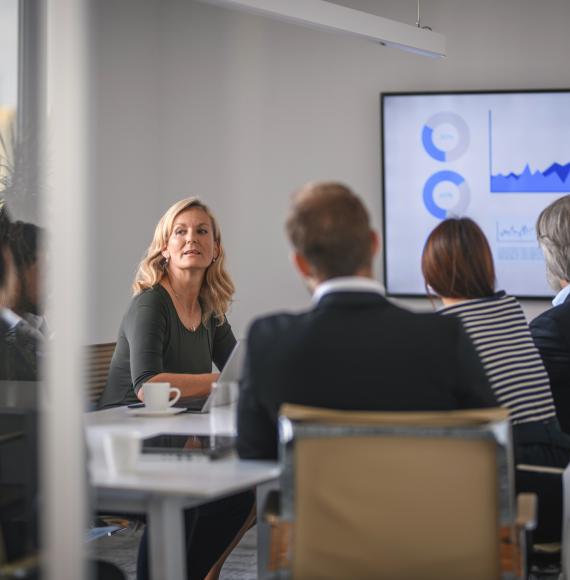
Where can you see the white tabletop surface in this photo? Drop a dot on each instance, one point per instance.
(168, 475)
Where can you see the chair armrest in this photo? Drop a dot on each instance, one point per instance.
(12, 436)
(526, 511)
(540, 469)
(548, 548)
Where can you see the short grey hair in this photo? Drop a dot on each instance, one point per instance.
(553, 233)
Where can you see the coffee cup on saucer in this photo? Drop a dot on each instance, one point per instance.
(157, 396)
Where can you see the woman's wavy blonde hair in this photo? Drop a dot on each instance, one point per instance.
(217, 288)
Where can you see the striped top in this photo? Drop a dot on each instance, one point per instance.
(501, 336)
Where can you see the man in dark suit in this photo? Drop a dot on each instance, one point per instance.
(551, 330)
(353, 349)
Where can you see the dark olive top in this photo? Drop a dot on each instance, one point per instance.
(153, 340)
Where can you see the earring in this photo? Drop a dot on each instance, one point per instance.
(214, 260)
(165, 263)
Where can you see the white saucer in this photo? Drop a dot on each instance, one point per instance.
(142, 412)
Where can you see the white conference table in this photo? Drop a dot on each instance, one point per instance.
(163, 487)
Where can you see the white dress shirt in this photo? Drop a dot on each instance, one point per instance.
(347, 284)
(561, 296)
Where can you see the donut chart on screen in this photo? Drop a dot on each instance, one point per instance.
(446, 194)
(445, 136)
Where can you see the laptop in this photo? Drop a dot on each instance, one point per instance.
(225, 389)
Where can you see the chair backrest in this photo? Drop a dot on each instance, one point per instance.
(396, 495)
(98, 361)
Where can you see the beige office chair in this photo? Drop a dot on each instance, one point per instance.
(98, 361)
(396, 496)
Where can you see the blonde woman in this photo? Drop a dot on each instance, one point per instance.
(176, 324)
(174, 329)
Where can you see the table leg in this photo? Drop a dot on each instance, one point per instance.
(167, 539)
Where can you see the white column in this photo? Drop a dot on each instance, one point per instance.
(65, 159)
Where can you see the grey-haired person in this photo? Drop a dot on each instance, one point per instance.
(551, 330)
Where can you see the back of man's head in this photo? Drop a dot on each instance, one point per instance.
(330, 227)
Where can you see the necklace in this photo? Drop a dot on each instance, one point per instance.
(184, 306)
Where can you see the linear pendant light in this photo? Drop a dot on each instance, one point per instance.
(328, 16)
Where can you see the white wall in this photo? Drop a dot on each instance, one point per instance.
(8, 53)
(125, 148)
(193, 99)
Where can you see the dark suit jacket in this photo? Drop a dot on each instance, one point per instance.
(20, 351)
(354, 350)
(551, 333)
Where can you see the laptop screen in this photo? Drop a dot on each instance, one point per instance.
(232, 371)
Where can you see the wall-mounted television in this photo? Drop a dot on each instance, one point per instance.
(497, 157)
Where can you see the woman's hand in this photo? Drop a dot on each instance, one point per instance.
(189, 385)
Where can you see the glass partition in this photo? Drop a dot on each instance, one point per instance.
(22, 325)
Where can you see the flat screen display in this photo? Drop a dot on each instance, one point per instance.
(496, 157)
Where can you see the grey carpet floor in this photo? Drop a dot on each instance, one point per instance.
(121, 549)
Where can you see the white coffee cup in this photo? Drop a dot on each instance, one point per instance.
(121, 450)
(157, 396)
